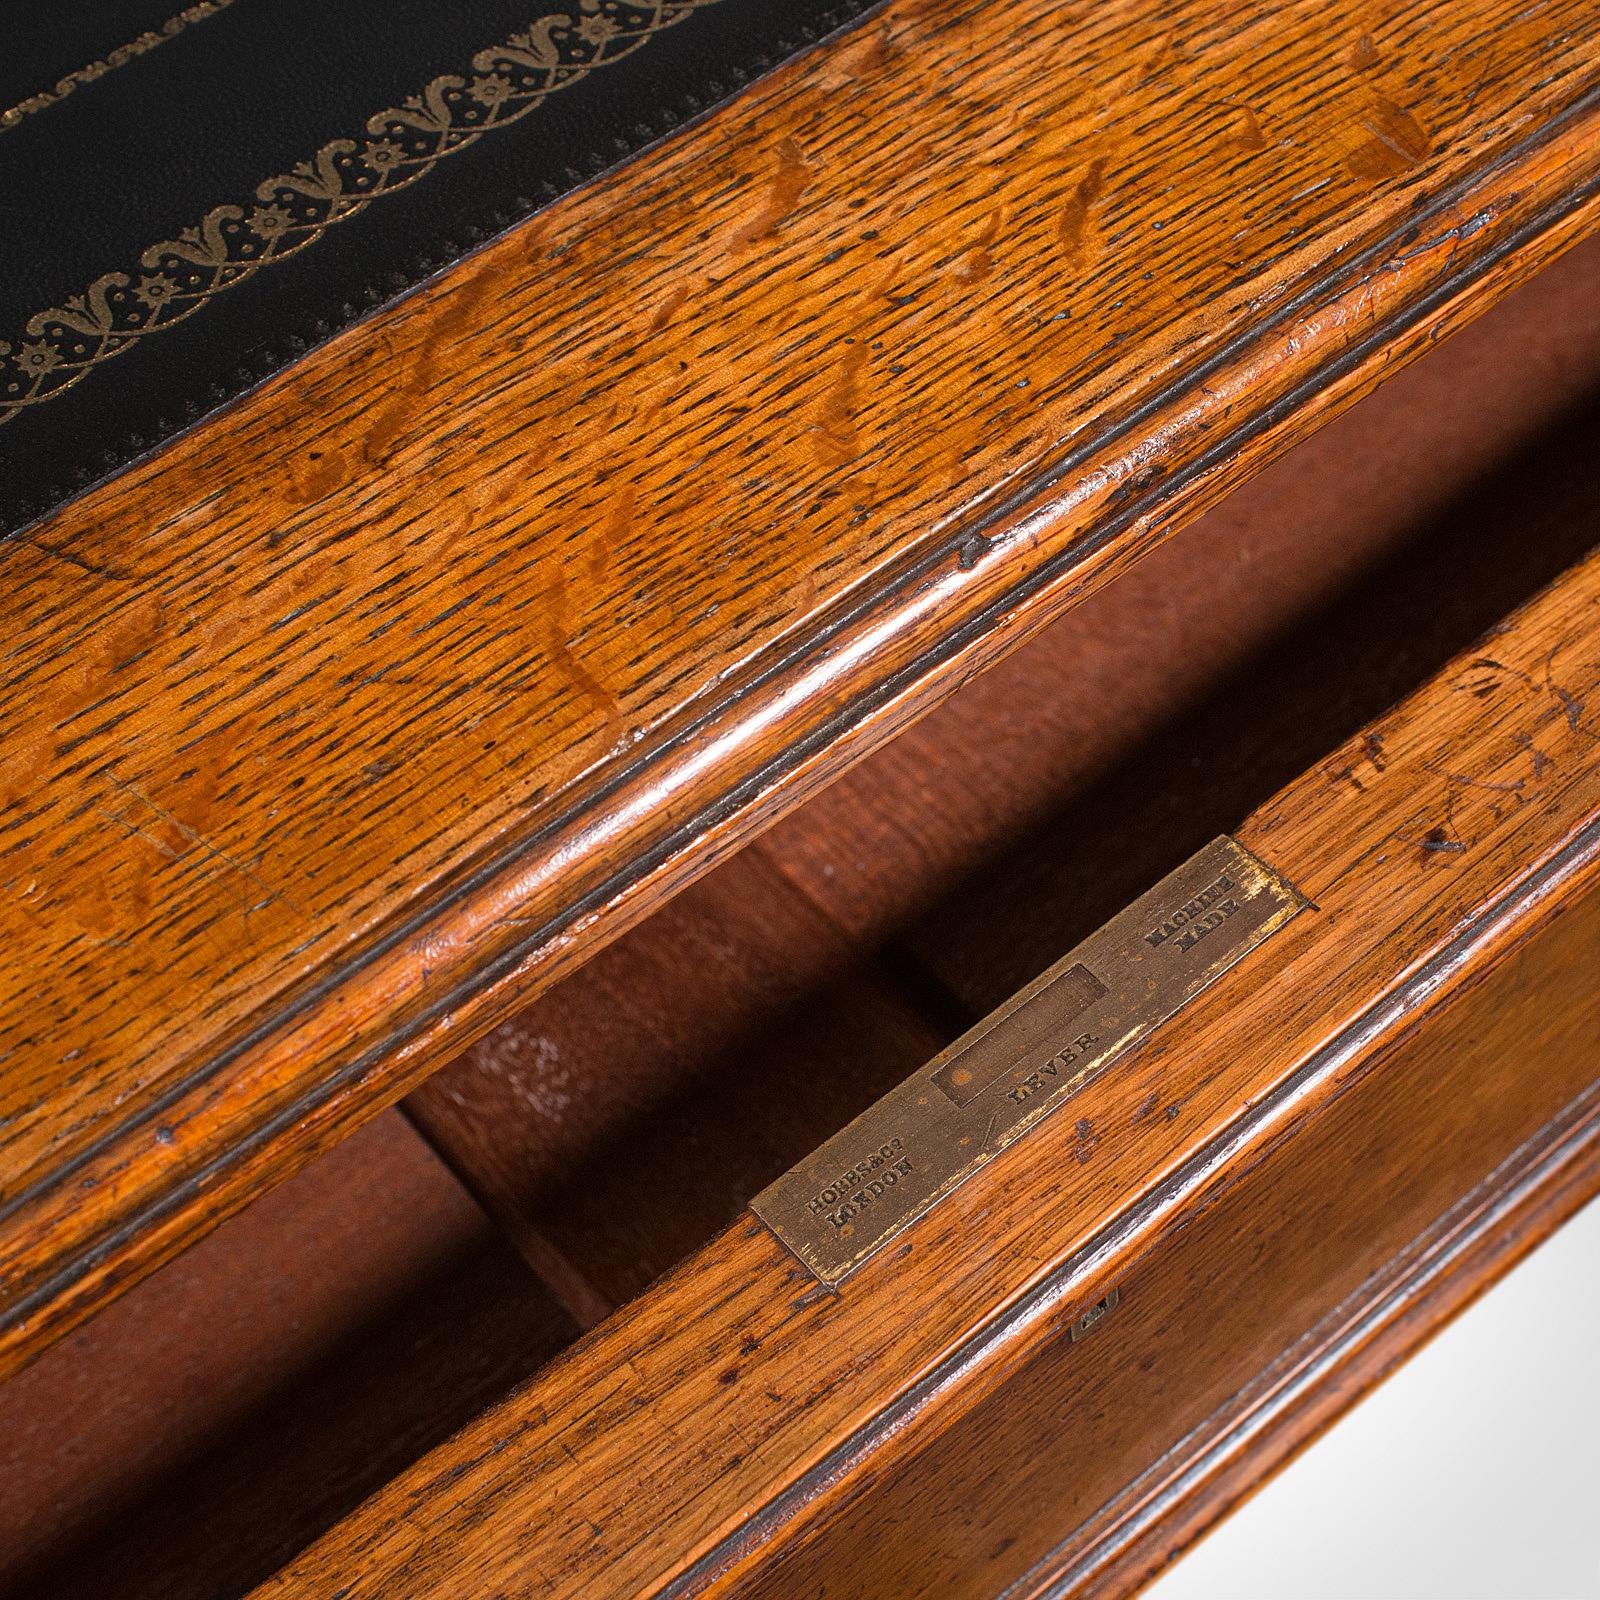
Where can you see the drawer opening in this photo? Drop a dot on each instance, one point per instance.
(209, 1424)
(628, 1114)
(241, 1400)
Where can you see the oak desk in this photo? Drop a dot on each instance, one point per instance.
(541, 611)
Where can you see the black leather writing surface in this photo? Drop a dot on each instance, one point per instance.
(195, 193)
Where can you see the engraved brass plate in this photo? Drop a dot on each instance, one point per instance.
(1103, 999)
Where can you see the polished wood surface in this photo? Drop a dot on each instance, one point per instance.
(336, 727)
(727, 1428)
(1254, 1314)
(1283, 1406)
(705, 1051)
(679, 1062)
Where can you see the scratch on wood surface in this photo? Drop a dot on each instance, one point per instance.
(1572, 708)
(560, 646)
(94, 569)
(612, 532)
(670, 302)
(1363, 55)
(975, 263)
(1466, 781)
(247, 873)
(1541, 762)
(1396, 141)
(1248, 137)
(1071, 230)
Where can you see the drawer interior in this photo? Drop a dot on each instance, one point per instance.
(212, 1421)
(238, 1402)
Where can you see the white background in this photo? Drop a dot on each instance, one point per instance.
(1472, 1474)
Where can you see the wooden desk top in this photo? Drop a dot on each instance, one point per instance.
(359, 712)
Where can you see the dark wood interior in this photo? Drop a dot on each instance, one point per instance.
(219, 1416)
(210, 1423)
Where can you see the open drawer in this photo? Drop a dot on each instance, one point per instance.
(1376, 669)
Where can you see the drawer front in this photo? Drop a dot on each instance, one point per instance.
(1297, 1273)
(1048, 1376)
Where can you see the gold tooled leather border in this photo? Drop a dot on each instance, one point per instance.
(111, 60)
(176, 277)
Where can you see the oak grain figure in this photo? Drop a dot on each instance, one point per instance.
(1289, 1184)
(366, 709)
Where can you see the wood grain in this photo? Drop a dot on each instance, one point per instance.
(1255, 1302)
(731, 1420)
(1044, 795)
(1285, 1407)
(705, 1052)
(356, 713)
